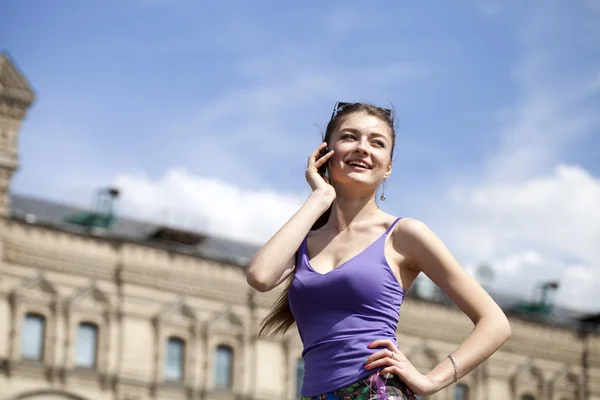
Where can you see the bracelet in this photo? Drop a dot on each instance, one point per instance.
(455, 368)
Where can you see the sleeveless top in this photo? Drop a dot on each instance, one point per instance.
(340, 312)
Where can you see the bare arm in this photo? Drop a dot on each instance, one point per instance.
(274, 262)
(491, 329)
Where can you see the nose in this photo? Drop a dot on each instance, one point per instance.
(362, 146)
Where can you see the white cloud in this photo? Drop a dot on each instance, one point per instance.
(206, 204)
(539, 229)
(559, 211)
(581, 288)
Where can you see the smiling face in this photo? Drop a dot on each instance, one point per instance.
(363, 146)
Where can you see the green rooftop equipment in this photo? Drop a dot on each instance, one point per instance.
(102, 214)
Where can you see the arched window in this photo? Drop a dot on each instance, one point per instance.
(86, 348)
(461, 392)
(32, 337)
(174, 359)
(224, 367)
(527, 397)
(299, 376)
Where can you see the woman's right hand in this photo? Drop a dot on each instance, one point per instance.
(318, 182)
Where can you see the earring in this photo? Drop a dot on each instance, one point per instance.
(382, 197)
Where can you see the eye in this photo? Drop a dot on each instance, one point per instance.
(347, 136)
(379, 143)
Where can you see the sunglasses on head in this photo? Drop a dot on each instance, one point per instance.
(340, 105)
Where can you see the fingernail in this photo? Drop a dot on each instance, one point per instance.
(367, 366)
(367, 360)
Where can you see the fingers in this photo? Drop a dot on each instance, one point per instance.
(392, 370)
(323, 159)
(382, 362)
(383, 343)
(378, 362)
(390, 360)
(390, 355)
(379, 355)
(313, 156)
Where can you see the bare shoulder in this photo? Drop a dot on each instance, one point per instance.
(413, 238)
(410, 228)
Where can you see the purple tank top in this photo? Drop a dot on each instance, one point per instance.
(339, 313)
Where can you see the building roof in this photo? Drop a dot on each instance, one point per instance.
(52, 214)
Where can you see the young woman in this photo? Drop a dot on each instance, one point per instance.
(350, 265)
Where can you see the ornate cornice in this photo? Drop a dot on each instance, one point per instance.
(67, 252)
(46, 257)
(197, 286)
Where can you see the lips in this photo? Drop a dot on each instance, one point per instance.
(359, 164)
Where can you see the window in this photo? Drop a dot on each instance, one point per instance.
(87, 341)
(223, 367)
(32, 340)
(461, 392)
(527, 397)
(299, 376)
(174, 360)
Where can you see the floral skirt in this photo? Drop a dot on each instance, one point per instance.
(373, 387)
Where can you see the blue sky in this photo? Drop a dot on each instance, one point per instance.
(205, 114)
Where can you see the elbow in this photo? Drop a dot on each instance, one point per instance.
(503, 327)
(257, 282)
(497, 325)
(508, 329)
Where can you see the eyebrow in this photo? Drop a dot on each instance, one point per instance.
(356, 131)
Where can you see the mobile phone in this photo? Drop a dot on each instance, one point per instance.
(322, 170)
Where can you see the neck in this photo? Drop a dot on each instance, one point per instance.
(347, 209)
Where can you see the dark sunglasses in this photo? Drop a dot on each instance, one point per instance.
(339, 106)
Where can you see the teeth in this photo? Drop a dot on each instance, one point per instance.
(358, 163)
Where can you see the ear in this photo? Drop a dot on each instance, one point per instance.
(389, 171)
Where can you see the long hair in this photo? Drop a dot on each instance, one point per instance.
(280, 318)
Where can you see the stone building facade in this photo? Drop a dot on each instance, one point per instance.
(94, 307)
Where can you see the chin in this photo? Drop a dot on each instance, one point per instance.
(353, 179)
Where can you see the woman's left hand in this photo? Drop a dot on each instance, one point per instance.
(396, 363)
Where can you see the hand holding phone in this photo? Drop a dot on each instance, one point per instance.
(316, 169)
(322, 170)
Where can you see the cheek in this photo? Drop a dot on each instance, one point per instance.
(382, 157)
(342, 150)
(342, 146)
